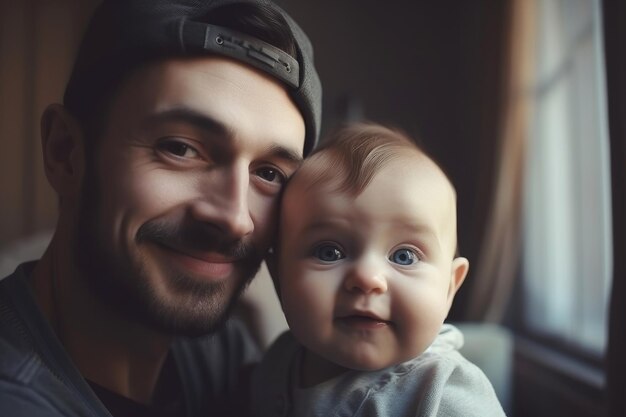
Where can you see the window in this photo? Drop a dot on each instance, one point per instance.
(567, 261)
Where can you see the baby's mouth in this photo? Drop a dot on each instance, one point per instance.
(362, 321)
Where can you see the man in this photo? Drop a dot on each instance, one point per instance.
(181, 122)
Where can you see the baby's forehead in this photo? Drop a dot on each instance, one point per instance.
(328, 169)
(409, 192)
(323, 173)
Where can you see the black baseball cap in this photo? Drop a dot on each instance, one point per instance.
(123, 34)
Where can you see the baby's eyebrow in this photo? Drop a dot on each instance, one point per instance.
(424, 232)
(414, 226)
(322, 223)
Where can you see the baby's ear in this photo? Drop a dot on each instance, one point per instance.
(458, 272)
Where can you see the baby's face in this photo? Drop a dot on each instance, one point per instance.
(367, 282)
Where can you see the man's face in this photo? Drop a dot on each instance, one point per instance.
(367, 282)
(179, 206)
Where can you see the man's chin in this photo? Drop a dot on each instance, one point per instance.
(188, 304)
(193, 307)
(163, 295)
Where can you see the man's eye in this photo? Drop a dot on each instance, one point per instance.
(179, 149)
(404, 257)
(328, 253)
(270, 175)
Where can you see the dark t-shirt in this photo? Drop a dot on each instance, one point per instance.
(120, 406)
(168, 397)
(38, 378)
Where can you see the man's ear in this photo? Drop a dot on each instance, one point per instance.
(458, 272)
(63, 150)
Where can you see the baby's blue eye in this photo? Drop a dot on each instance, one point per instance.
(328, 253)
(404, 257)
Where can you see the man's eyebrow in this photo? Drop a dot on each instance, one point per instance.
(215, 127)
(288, 155)
(193, 117)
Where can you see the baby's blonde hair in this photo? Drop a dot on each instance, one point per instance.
(352, 155)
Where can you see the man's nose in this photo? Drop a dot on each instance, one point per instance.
(366, 276)
(224, 202)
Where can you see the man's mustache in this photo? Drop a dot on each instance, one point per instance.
(198, 237)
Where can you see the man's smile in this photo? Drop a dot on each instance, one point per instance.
(206, 265)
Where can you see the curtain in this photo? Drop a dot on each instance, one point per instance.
(497, 264)
(615, 53)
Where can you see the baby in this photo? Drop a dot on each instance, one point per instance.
(366, 271)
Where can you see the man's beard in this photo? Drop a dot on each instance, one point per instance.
(195, 307)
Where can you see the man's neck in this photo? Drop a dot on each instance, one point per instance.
(121, 355)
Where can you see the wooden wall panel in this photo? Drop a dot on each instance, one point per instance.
(13, 102)
(38, 41)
